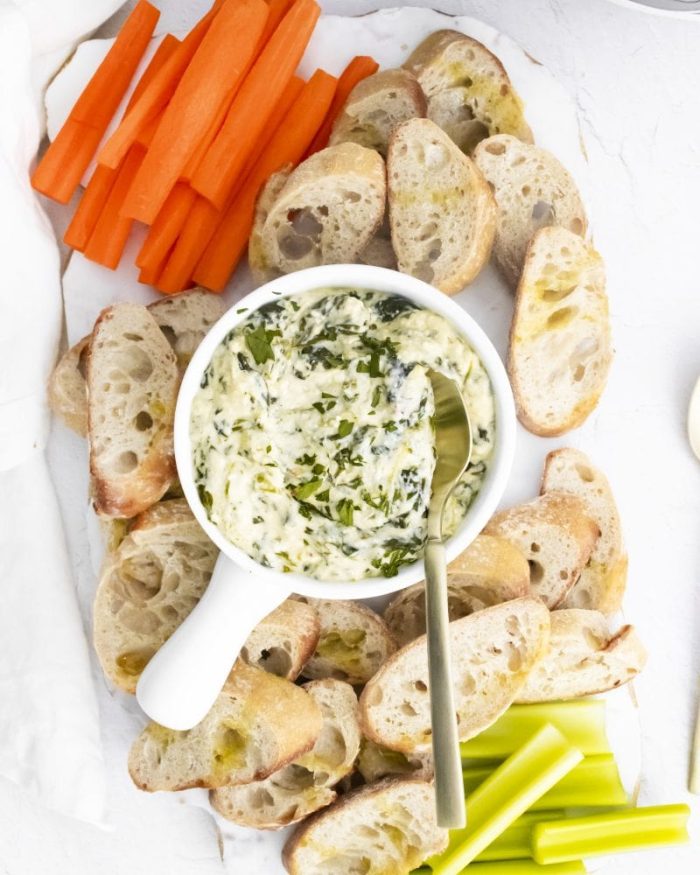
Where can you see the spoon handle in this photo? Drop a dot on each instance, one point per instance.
(449, 788)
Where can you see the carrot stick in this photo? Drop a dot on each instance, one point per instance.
(358, 69)
(91, 205)
(215, 70)
(149, 275)
(98, 188)
(278, 9)
(254, 103)
(60, 170)
(299, 127)
(168, 224)
(167, 46)
(155, 96)
(204, 218)
(107, 241)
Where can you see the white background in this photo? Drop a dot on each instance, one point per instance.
(636, 81)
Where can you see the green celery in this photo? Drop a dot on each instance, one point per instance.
(515, 843)
(594, 783)
(518, 867)
(582, 721)
(615, 832)
(506, 794)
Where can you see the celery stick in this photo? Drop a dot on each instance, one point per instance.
(594, 783)
(582, 721)
(517, 867)
(506, 794)
(515, 843)
(632, 830)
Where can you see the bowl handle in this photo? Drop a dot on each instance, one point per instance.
(181, 682)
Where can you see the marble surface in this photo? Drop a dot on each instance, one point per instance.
(635, 80)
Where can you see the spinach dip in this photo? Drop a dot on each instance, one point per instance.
(311, 432)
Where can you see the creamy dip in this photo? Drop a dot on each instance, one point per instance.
(311, 432)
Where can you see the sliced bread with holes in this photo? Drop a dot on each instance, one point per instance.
(376, 762)
(380, 250)
(284, 640)
(560, 347)
(533, 190)
(388, 827)
(132, 381)
(493, 652)
(490, 571)
(353, 644)
(148, 585)
(326, 212)
(257, 725)
(557, 538)
(67, 391)
(184, 319)
(601, 585)
(375, 106)
(585, 657)
(261, 269)
(306, 785)
(442, 212)
(469, 93)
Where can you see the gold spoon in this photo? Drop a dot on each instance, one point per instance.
(453, 446)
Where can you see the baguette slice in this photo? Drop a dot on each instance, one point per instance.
(532, 190)
(149, 584)
(602, 582)
(490, 571)
(67, 389)
(385, 828)
(353, 644)
(380, 251)
(493, 651)
(153, 579)
(585, 657)
(376, 762)
(305, 785)
(557, 538)
(481, 100)
(442, 212)
(132, 381)
(328, 209)
(257, 725)
(184, 319)
(375, 106)
(261, 270)
(284, 640)
(560, 348)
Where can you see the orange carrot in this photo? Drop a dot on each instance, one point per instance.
(107, 241)
(91, 205)
(215, 70)
(167, 46)
(155, 96)
(149, 275)
(278, 9)
(358, 69)
(60, 170)
(299, 127)
(98, 188)
(204, 218)
(254, 103)
(168, 224)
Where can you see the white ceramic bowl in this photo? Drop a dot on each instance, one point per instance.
(180, 683)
